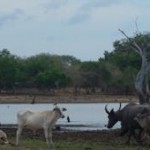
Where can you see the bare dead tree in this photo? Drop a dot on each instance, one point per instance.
(141, 79)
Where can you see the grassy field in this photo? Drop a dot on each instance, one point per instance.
(31, 144)
(93, 140)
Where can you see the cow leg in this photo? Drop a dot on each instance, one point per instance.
(129, 137)
(139, 136)
(18, 133)
(46, 136)
(123, 132)
(124, 129)
(132, 133)
(50, 136)
(144, 136)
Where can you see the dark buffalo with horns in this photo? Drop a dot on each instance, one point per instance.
(126, 116)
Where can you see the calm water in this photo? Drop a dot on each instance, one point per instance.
(91, 116)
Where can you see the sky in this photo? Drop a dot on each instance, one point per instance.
(84, 29)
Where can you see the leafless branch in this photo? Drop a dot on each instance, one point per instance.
(134, 45)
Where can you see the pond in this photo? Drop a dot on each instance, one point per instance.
(83, 116)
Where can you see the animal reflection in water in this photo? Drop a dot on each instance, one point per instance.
(36, 120)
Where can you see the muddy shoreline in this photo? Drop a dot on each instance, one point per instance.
(66, 99)
(103, 135)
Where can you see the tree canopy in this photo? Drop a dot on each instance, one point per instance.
(112, 74)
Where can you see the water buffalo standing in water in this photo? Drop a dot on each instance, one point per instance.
(126, 116)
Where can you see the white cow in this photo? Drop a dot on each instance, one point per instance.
(3, 138)
(37, 120)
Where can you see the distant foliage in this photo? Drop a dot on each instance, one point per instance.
(112, 74)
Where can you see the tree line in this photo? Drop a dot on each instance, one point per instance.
(113, 73)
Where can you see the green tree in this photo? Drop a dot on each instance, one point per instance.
(8, 70)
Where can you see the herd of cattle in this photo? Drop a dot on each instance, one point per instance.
(134, 119)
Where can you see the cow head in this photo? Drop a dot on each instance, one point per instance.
(60, 111)
(113, 116)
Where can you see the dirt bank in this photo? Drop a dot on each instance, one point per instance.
(103, 135)
(66, 99)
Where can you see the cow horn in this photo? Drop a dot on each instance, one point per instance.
(106, 109)
(120, 106)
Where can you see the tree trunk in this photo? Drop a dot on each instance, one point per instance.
(141, 80)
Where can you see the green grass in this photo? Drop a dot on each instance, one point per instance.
(35, 144)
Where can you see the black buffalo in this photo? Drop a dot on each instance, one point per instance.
(126, 116)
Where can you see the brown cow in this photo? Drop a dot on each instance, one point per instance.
(144, 121)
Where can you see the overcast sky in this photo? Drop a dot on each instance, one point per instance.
(80, 28)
